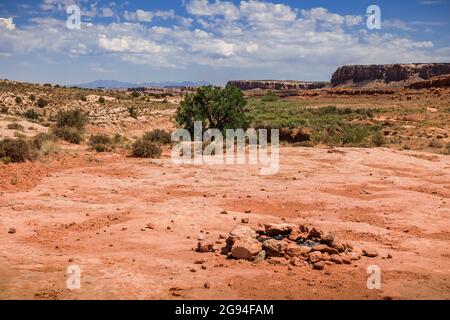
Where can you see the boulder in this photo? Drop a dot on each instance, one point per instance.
(315, 234)
(315, 256)
(336, 259)
(245, 248)
(294, 250)
(275, 247)
(318, 265)
(324, 248)
(275, 229)
(371, 253)
(243, 232)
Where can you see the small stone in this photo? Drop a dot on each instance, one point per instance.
(319, 265)
(297, 262)
(354, 256)
(324, 248)
(203, 246)
(224, 212)
(200, 261)
(150, 226)
(371, 253)
(260, 256)
(207, 285)
(245, 220)
(315, 256)
(12, 230)
(200, 237)
(336, 258)
(346, 260)
(278, 261)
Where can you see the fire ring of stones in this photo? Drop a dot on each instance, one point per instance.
(282, 243)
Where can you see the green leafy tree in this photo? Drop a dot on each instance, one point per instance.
(217, 108)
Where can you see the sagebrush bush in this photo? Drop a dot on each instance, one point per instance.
(133, 112)
(378, 139)
(69, 134)
(31, 114)
(101, 143)
(436, 144)
(49, 147)
(32, 97)
(269, 97)
(18, 100)
(135, 94)
(101, 100)
(15, 126)
(41, 138)
(158, 135)
(16, 150)
(145, 149)
(41, 103)
(76, 118)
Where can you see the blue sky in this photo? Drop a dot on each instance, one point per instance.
(215, 41)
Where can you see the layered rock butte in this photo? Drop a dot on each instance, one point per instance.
(387, 75)
(406, 73)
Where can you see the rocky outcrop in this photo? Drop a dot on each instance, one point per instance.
(276, 85)
(362, 74)
(436, 82)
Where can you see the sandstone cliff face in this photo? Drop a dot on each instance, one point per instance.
(388, 73)
(276, 85)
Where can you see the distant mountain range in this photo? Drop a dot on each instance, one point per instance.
(113, 84)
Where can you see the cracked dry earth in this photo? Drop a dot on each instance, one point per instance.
(131, 225)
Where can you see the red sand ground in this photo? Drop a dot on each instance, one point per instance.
(94, 214)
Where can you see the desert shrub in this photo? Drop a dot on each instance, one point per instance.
(18, 100)
(83, 98)
(101, 143)
(16, 150)
(135, 94)
(41, 103)
(378, 139)
(5, 160)
(159, 136)
(101, 100)
(436, 144)
(32, 97)
(49, 147)
(354, 134)
(269, 97)
(31, 114)
(145, 149)
(76, 118)
(15, 126)
(47, 85)
(41, 138)
(69, 134)
(219, 108)
(133, 112)
(19, 135)
(4, 109)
